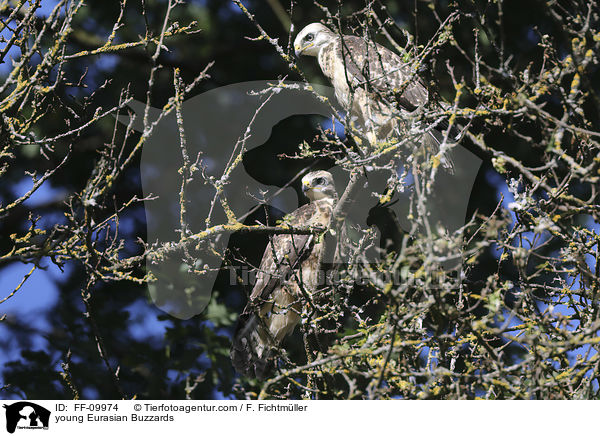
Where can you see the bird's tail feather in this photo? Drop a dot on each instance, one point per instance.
(250, 351)
(431, 142)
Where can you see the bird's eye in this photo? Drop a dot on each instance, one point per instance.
(319, 181)
(309, 37)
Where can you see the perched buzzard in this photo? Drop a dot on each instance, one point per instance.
(288, 271)
(372, 84)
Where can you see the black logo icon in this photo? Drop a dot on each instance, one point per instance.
(26, 415)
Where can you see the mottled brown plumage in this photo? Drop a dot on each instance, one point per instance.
(288, 270)
(372, 83)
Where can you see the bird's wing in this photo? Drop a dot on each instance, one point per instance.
(386, 77)
(382, 71)
(283, 255)
(250, 351)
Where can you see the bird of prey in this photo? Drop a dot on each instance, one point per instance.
(288, 273)
(372, 84)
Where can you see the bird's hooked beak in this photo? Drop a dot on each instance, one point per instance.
(298, 49)
(305, 186)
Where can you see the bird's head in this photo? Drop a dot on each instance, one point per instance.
(312, 39)
(319, 185)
